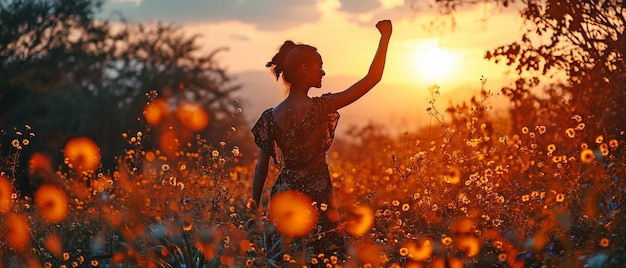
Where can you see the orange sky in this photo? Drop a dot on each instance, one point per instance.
(417, 57)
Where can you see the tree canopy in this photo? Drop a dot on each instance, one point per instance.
(66, 74)
(580, 39)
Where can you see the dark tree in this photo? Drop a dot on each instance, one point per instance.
(67, 74)
(583, 39)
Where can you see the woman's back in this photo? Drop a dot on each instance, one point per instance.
(303, 142)
(289, 113)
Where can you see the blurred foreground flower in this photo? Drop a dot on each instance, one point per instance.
(360, 220)
(82, 153)
(292, 213)
(6, 190)
(52, 203)
(192, 115)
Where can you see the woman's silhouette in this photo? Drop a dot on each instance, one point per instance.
(300, 129)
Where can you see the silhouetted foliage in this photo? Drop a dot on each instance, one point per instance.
(583, 39)
(66, 74)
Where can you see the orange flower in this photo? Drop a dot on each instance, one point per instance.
(155, 112)
(53, 243)
(52, 203)
(604, 242)
(39, 162)
(18, 234)
(293, 213)
(192, 115)
(421, 250)
(82, 153)
(470, 245)
(6, 190)
(452, 176)
(502, 257)
(360, 220)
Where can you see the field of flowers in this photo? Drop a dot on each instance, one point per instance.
(475, 191)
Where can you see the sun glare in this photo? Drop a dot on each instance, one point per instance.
(433, 63)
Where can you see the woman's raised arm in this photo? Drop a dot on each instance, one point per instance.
(373, 76)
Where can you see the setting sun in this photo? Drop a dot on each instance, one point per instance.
(433, 63)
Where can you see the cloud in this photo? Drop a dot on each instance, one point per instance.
(265, 14)
(359, 6)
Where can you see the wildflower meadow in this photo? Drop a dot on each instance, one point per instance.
(121, 145)
(476, 192)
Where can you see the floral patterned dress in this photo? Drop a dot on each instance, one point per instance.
(300, 152)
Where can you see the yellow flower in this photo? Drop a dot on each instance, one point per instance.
(560, 198)
(446, 240)
(604, 149)
(551, 148)
(570, 132)
(15, 143)
(587, 156)
(599, 139)
(613, 143)
(584, 146)
(404, 251)
(524, 130)
(541, 129)
(334, 259)
(405, 207)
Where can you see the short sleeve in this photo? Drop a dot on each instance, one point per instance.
(329, 117)
(262, 133)
(326, 105)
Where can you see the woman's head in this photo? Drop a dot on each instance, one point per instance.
(292, 59)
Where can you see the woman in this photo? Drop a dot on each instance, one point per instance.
(300, 129)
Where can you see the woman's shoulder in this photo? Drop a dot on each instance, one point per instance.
(264, 119)
(266, 113)
(325, 96)
(324, 102)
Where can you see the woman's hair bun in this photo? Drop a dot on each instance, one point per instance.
(278, 59)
